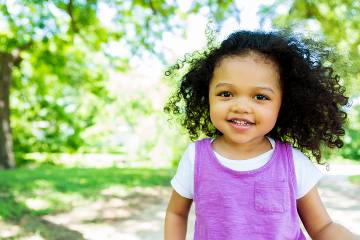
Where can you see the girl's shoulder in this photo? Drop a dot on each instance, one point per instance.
(207, 139)
(189, 153)
(191, 146)
(307, 173)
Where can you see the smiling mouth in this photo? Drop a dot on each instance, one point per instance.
(241, 122)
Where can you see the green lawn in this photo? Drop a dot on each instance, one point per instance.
(355, 179)
(53, 189)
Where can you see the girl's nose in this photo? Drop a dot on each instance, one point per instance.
(241, 106)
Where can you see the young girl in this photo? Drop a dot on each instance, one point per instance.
(262, 99)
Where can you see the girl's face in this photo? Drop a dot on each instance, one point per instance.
(245, 98)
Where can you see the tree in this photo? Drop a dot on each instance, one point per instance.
(34, 28)
(53, 58)
(6, 155)
(335, 21)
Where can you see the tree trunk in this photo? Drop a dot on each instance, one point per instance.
(7, 159)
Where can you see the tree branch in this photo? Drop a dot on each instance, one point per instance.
(70, 9)
(16, 58)
(153, 9)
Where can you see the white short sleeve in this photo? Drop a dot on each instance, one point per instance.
(183, 181)
(307, 175)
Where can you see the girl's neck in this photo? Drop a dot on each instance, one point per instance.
(242, 150)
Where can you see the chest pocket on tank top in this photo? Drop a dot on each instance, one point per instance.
(271, 196)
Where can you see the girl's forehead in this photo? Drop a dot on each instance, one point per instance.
(254, 57)
(253, 67)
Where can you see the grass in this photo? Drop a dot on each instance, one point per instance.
(53, 189)
(355, 179)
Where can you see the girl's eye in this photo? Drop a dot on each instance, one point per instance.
(225, 94)
(261, 97)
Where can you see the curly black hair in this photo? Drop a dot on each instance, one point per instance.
(311, 112)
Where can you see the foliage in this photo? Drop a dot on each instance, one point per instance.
(55, 75)
(61, 99)
(351, 149)
(66, 52)
(336, 21)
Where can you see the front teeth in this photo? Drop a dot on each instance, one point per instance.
(242, 123)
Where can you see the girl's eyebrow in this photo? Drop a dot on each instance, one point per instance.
(223, 84)
(266, 89)
(231, 85)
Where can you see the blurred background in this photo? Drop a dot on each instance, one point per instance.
(86, 151)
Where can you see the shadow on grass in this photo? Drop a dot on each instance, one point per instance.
(52, 184)
(48, 230)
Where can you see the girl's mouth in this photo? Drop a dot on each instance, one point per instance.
(241, 122)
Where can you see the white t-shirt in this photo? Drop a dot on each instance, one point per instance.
(307, 175)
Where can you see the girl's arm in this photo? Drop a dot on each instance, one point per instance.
(317, 221)
(177, 217)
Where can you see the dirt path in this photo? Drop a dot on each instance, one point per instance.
(341, 197)
(139, 214)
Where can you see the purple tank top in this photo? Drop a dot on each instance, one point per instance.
(256, 204)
